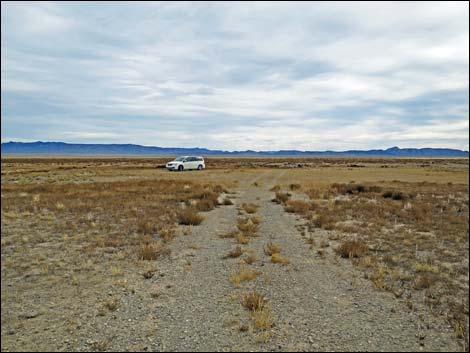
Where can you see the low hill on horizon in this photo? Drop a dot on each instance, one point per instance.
(62, 148)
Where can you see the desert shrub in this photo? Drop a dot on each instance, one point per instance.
(250, 207)
(227, 202)
(146, 226)
(253, 301)
(281, 197)
(235, 252)
(278, 259)
(263, 318)
(294, 187)
(272, 248)
(250, 259)
(240, 238)
(244, 273)
(247, 226)
(112, 304)
(189, 216)
(297, 206)
(324, 221)
(394, 195)
(151, 250)
(352, 248)
(424, 281)
(205, 205)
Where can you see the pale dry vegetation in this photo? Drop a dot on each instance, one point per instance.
(74, 241)
(407, 237)
(242, 274)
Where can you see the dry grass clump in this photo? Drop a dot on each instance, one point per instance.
(227, 201)
(394, 195)
(151, 250)
(294, 187)
(253, 301)
(275, 188)
(240, 238)
(351, 248)
(247, 226)
(424, 281)
(417, 231)
(276, 258)
(232, 234)
(112, 304)
(243, 274)
(297, 206)
(189, 216)
(250, 207)
(205, 205)
(325, 221)
(235, 252)
(167, 234)
(271, 249)
(146, 226)
(250, 258)
(255, 219)
(261, 314)
(281, 197)
(263, 318)
(207, 200)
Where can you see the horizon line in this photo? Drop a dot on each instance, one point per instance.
(232, 151)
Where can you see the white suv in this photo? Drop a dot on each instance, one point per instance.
(186, 162)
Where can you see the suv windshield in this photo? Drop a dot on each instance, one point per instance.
(180, 159)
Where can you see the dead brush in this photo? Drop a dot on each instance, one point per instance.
(250, 258)
(311, 242)
(149, 273)
(351, 248)
(263, 318)
(297, 206)
(424, 281)
(247, 226)
(152, 250)
(294, 187)
(146, 226)
(112, 304)
(250, 207)
(324, 221)
(234, 253)
(189, 216)
(281, 197)
(276, 258)
(270, 249)
(240, 238)
(227, 202)
(243, 274)
(253, 301)
(205, 205)
(167, 234)
(256, 219)
(231, 234)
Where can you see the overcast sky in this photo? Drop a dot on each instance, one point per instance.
(262, 76)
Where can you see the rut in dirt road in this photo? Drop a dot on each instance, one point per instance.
(318, 304)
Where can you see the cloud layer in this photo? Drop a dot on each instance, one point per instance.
(261, 76)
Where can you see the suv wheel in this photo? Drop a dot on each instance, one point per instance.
(199, 167)
(180, 168)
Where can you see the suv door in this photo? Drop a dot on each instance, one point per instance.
(192, 163)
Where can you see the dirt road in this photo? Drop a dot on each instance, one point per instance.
(318, 303)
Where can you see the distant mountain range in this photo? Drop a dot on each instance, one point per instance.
(61, 148)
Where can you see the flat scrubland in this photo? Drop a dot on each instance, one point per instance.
(113, 253)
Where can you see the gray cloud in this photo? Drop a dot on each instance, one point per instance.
(237, 75)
